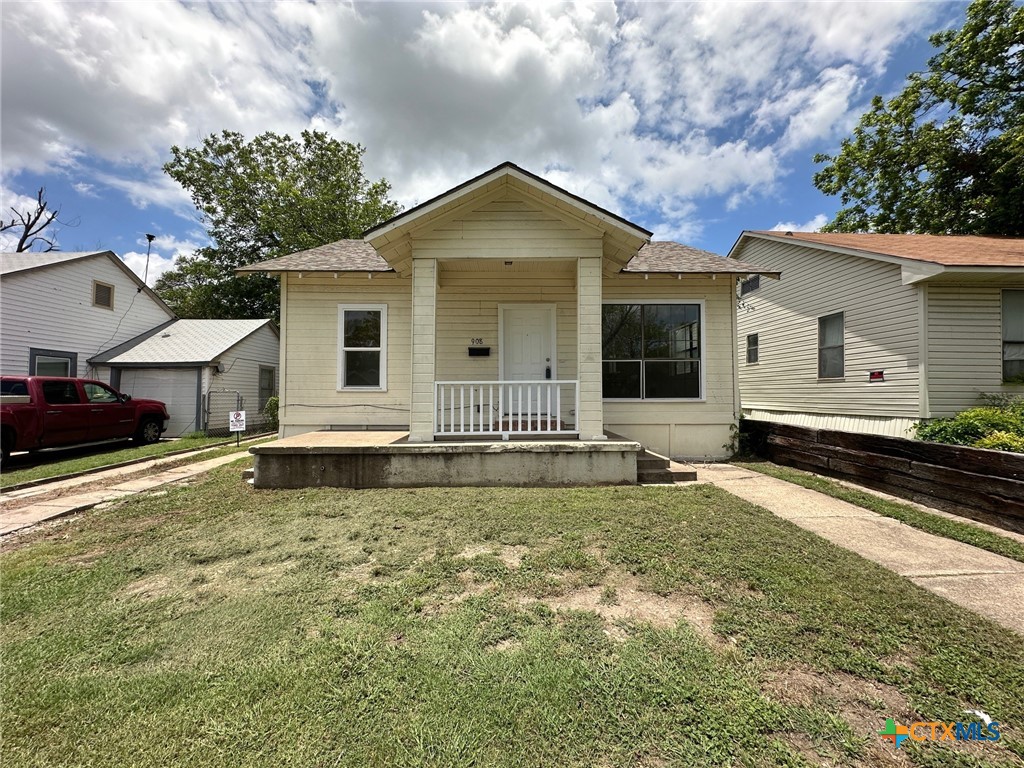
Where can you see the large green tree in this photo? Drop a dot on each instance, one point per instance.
(946, 155)
(260, 199)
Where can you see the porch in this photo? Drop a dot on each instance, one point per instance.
(387, 459)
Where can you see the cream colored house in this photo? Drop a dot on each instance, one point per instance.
(872, 333)
(509, 308)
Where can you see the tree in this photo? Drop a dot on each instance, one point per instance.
(32, 225)
(946, 155)
(261, 199)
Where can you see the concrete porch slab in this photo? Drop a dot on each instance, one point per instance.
(338, 459)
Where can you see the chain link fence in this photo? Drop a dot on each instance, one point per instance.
(220, 403)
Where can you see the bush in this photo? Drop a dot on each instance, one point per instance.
(270, 412)
(1000, 416)
(1002, 441)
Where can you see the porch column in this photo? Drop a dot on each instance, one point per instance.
(424, 303)
(589, 410)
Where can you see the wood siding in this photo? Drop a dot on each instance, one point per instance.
(880, 334)
(684, 429)
(51, 308)
(965, 346)
(310, 396)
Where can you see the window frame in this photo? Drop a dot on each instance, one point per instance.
(56, 354)
(821, 319)
(97, 283)
(259, 385)
(382, 349)
(756, 347)
(701, 360)
(1003, 341)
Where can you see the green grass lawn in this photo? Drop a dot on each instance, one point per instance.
(925, 521)
(217, 625)
(84, 459)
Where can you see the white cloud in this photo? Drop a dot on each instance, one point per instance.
(164, 254)
(642, 108)
(814, 225)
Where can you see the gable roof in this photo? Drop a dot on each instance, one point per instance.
(181, 343)
(944, 250)
(667, 256)
(28, 261)
(506, 168)
(340, 256)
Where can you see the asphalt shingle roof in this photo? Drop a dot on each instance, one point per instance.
(666, 256)
(946, 250)
(341, 256)
(20, 262)
(182, 341)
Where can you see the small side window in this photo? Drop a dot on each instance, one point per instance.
(752, 350)
(831, 357)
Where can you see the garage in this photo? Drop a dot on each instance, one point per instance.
(178, 388)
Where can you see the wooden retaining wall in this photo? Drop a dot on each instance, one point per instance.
(972, 482)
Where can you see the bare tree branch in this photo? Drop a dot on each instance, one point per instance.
(33, 223)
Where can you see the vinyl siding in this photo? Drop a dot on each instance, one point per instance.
(51, 308)
(242, 372)
(694, 430)
(310, 397)
(965, 346)
(880, 333)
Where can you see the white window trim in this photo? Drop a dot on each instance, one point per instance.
(702, 359)
(757, 346)
(383, 309)
(842, 376)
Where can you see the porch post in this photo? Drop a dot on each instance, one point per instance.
(424, 302)
(589, 410)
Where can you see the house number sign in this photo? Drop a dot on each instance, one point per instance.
(476, 342)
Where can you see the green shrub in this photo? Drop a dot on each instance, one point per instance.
(1001, 415)
(1002, 441)
(270, 412)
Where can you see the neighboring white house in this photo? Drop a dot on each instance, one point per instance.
(508, 307)
(59, 309)
(872, 333)
(202, 370)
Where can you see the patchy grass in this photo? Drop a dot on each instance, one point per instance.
(219, 625)
(94, 457)
(940, 526)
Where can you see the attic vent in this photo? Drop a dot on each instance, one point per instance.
(750, 284)
(102, 295)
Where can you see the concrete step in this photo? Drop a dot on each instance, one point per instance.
(248, 474)
(650, 463)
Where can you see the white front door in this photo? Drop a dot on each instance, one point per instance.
(528, 342)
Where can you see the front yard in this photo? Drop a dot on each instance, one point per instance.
(217, 625)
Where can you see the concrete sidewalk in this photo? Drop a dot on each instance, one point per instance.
(978, 580)
(49, 509)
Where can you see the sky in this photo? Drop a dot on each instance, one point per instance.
(695, 120)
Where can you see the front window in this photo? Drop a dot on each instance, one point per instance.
(1013, 336)
(52, 362)
(831, 364)
(362, 346)
(651, 351)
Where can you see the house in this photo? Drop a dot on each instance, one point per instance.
(505, 308)
(871, 333)
(202, 370)
(57, 310)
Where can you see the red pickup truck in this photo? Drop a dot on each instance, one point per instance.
(44, 412)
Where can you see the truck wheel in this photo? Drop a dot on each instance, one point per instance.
(148, 432)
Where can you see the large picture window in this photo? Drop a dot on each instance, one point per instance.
(831, 348)
(362, 346)
(651, 351)
(1013, 336)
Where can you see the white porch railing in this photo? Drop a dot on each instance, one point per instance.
(505, 408)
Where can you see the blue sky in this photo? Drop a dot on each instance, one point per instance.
(695, 120)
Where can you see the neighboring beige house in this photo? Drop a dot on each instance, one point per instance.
(202, 370)
(872, 333)
(59, 309)
(508, 307)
